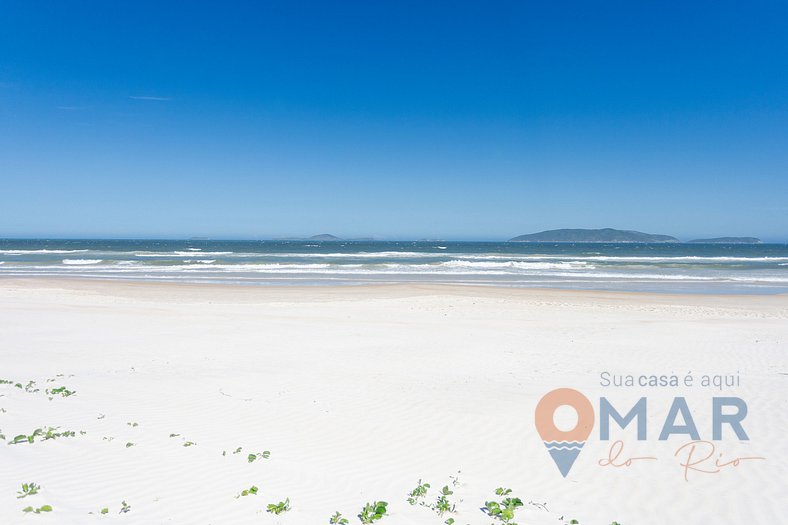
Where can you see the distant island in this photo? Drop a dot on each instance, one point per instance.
(599, 235)
(728, 240)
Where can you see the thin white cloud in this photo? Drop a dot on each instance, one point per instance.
(145, 97)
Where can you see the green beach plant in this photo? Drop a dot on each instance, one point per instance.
(124, 507)
(505, 509)
(60, 391)
(251, 458)
(338, 519)
(443, 505)
(372, 512)
(28, 438)
(52, 434)
(417, 495)
(45, 433)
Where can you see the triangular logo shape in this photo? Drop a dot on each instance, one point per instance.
(564, 455)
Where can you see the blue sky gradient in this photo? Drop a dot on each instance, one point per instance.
(461, 120)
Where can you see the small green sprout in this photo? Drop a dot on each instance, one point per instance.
(337, 519)
(28, 489)
(129, 444)
(455, 480)
(252, 457)
(280, 507)
(39, 510)
(105, 510)
(247, 492)
(124, 507)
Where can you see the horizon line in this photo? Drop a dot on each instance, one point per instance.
(767, 240)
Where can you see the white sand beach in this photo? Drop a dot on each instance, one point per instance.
(358, 392)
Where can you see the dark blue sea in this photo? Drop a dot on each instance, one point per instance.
(669, 268)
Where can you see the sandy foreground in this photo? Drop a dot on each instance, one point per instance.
(359, 392)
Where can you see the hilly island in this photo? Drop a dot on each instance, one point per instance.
(598, 235)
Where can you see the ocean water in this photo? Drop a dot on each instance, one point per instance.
(694, 268)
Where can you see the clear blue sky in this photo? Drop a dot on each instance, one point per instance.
(477, 120)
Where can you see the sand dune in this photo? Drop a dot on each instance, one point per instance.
(359, 392)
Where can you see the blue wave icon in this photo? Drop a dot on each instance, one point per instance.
(564, 453)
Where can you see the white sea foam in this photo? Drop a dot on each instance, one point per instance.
(404, 273)
(343, 255)
(442, 263)
(506, 257)
(687, 258)
(180, 254)
(516, 265)
(81, 261)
